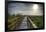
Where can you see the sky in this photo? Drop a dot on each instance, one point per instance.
(25, 9)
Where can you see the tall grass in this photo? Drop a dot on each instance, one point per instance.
(38, 20)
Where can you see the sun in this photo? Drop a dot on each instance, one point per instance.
(35, 6)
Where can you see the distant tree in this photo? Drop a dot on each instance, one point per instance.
(13, 14)
(18, 15)
(9, 14)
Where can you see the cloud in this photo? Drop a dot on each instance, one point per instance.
(24, 9)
